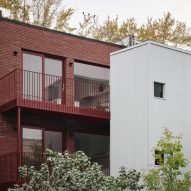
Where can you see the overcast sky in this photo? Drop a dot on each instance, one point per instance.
(139, 9)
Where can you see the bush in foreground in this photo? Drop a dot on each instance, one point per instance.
(74, 172)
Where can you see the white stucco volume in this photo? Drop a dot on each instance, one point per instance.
(138, 118)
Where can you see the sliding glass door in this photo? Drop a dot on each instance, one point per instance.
(42, 78)
(36, 141)
(53, 80)
(32, 146)
(32, 77)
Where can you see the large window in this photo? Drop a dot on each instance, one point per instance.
(90, 71)
(36, 141)
(32, 146)
(32, 77)
(96, 147)
(42, 78)
(91, 86)
(53, 140)
(53, 80)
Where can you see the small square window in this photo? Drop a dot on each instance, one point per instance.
(159, 157)
(159, 89)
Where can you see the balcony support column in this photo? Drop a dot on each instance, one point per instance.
(19, 141)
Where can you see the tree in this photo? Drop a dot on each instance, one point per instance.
(18, 9)
(74, 172)
(112, 31)
(52, 14)
(164, 30)
(169, 175)
(109, 30)
(45, 13)
(88, 25)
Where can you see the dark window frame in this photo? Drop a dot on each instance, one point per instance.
(157, 161)
(159, 90)
(45, 56)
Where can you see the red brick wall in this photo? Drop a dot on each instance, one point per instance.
(14, 36)
(8, 136)
(8, 149)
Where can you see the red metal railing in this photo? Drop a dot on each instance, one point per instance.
(32, 159)
(91, 94)
(8, 87)
(8, 168)
(77, 92)
(36, 159)
(8, 165)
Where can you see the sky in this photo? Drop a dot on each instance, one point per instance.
(139, 9)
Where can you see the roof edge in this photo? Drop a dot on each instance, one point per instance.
(59, 32)
(154, 43)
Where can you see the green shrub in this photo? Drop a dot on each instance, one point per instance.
(169, 175)
(74, 172)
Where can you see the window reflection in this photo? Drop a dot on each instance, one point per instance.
(34, 144)
(53, 80)
(32, 147)
(38, 84)
(32, 77)
(91, 86)
(53, 141)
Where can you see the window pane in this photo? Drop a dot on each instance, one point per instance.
(53, 67)
(53, 80)
(91, 86)
(32, 63)
(53, 141)
(32, 146)
(96, 147)
(90, 71)
(32, 77)
(158, 89)
(159, 157)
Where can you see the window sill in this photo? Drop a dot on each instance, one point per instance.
(161, 98)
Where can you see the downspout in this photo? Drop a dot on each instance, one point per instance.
(19, 136)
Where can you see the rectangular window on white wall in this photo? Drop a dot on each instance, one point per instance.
(159, 89)
(159, 157)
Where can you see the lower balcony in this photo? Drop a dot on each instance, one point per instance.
(77, 96)
(9, 167)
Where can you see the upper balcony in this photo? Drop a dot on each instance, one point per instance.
(76, 96)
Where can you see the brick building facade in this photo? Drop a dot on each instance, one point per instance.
(42, 103)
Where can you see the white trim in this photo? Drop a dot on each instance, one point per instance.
(153, 43)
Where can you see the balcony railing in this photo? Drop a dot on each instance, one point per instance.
(9, 169)
(35, 159)
(32, 159)
(33, 86)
